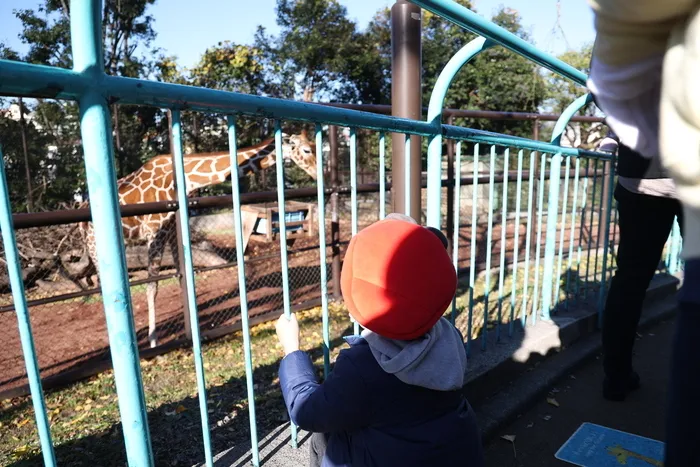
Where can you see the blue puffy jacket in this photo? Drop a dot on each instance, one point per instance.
(374, 419)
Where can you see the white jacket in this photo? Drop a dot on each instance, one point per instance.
(645, 74)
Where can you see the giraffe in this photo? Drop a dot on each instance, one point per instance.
(155, 181)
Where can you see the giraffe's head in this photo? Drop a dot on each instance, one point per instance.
(302, 151)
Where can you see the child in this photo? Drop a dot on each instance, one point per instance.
(394, 397)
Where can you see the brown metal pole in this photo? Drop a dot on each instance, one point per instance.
(450, 218)
(406, 101)
(335, 221)
(180, 252)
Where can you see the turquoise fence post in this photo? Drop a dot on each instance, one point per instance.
(562, 229)
(14, 270)
(504, 228)
(551, 235)
(472, 247)
(557, 133)
(540, 203)
(528, 235)
(181, 185)
(382, 176)
(567, 115)
(279, 164)
(242, 289)
(96, 132)
(516, 241)
(322, 251)
(675, 247)
(606, 242)
(455, 234)
(489, 247)
(572, 236)
(579, 255)
(600, 227)
(353, 198)
(407, 176)
(437, 99)
(591, 212)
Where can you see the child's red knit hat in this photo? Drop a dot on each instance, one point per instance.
(397, 279)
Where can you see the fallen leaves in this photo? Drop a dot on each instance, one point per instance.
(177, 410)
(552, 401)
(77, 419)
(511, 440)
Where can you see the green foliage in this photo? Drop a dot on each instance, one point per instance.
(316, 37)
(504, 81)
(562, 92)
(319, 54)
(15, 167)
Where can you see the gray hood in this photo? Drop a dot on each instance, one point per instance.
(435, 361)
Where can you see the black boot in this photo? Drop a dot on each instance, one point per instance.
(616, 389)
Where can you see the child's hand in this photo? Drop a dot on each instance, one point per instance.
(288, 333)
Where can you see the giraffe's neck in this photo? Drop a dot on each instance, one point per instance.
(209, 169)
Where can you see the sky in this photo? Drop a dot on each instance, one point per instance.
(186, 28)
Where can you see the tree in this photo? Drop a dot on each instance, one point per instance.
(27, 167)
(506, 81)
(561, 91)
(315, 38)
(127, 34)
(366, 69)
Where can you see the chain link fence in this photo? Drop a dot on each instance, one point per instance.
(66, 309)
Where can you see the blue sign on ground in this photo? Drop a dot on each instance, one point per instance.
(597, 446)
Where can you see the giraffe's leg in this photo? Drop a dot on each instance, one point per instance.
(172, 242)
(248, 220)
(92, 259)
(155, 254)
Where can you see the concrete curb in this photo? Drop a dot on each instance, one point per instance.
(582, 343)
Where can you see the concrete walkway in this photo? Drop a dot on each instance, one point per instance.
(541, 431)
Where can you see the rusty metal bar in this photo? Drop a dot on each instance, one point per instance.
(85, 293)
(71, 216)
(335, 217)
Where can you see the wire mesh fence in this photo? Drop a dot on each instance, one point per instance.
(63, 289)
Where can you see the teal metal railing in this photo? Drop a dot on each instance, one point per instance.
(534, 279)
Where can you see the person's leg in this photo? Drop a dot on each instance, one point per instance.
(645, 224)
(317, 448)
(682, 433)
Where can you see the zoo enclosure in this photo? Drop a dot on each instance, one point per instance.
(88, 85)
(67, 355)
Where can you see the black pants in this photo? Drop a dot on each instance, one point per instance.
(682, 428)
(645, 224)
(317, 447)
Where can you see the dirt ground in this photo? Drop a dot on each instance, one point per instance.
(70, 333)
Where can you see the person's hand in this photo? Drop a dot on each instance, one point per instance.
(288, 333)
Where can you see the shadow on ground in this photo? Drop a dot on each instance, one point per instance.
(176, 434)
